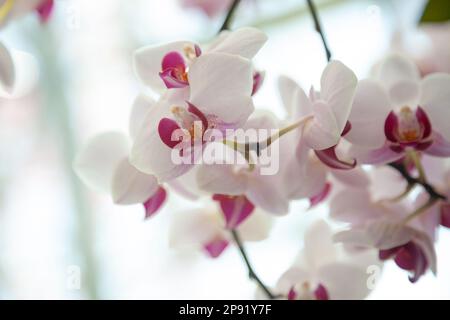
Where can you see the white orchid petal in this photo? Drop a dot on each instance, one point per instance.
(221, 85)
(141, 107)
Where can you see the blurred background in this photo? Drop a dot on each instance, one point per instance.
(60, 240)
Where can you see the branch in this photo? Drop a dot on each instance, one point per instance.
(228, 18)
(415, 181)
(318, 26)
(251, 273)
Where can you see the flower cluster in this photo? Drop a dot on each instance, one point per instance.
(396, 121)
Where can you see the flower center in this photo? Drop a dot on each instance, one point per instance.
(409, 128)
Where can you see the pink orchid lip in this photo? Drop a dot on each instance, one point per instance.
(174, 74)
(236, 209)
(154, 203)
(445, 214)
(45, 10)
(216, 247)
(329, 157)
(400, 138)
(408, 257)
(321, 293)
(347, 128)
(166, 128)
(321, 196)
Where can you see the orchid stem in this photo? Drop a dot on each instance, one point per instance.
(318, 26)
(414, 181)
(229, 16)
(421, 209)
(251, 273)
(418, 164)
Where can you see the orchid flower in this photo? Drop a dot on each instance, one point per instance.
(168, 66)
(204, 229)
(396, 111)
(14, 9)
(386, 226)
(240, 181)
(218, 98)
(325, 270)
(328, 111)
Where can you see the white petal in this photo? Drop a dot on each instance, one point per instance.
(338, 85)
(194, 228)
(404, 93)
(322, 131)
(7, 74)
(130, 186)
(292, 277)
(435, 100)
(96, 163)
(344, 281)
(221, 85)
(371, 107)
(245, 42)
(222, 179)
(319, 248)
(257, 227)
(395, 68)
(147, 62)
(141, 107)
(294, 99)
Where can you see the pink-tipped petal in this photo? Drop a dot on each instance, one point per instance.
(321, 293)
(154, 203)
(329, 157)
(439, 147)
(292, 294)
(381, 155)
(216, 247)
(236, 209)
(45, 10)
(166, 128)
(321, 196)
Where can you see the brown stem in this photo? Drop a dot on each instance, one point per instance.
(318, 26)
(228, 18)
(251, 273)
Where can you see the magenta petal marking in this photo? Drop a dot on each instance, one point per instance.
(440, 147)
(236, 209)
(258, 80)
(166, 128)
(445, 214)
(198, 50)
(154, 203)
(195, 111)
(292, 295)
(45, 10)
(216, 247)
(424, 122)
(173, 60)
(387, 253)
(347, 128)
(329, 157)
(411, 257)
(321, 196)
(391, 126)
(321, 293)
(171, 81)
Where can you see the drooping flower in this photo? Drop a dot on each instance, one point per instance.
(396, 111)
(385, 225)
(328, 109)
(205, 229)
(325, 270)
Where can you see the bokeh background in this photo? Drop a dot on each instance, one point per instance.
(52, 228)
